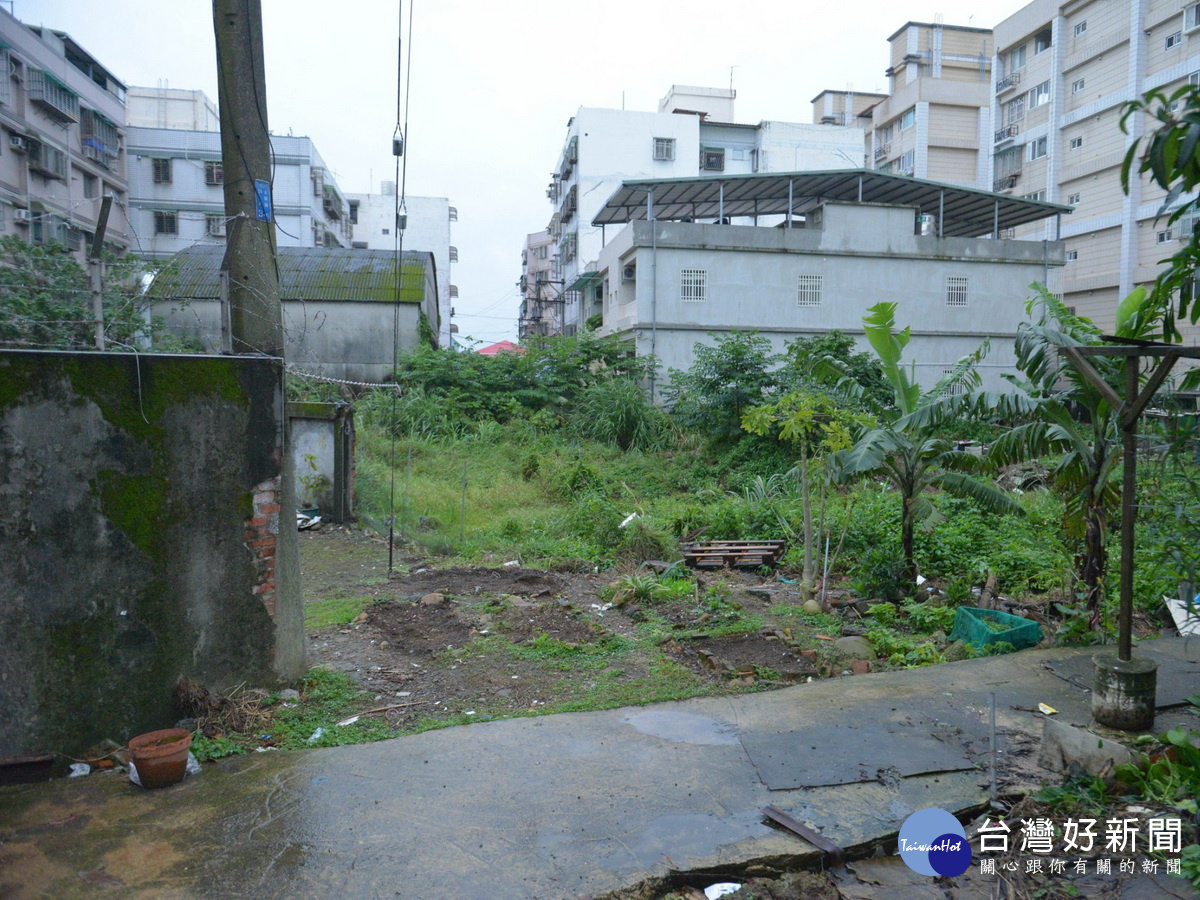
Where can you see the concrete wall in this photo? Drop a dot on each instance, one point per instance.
(141, 500)
(862, 255)
(322, 447)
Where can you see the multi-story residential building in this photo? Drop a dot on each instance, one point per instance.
(692, 134)
(1064, 71)
(62, 123)
(936, 119)
(164, 107)
(426, 228)
(843, 107)
(854, 238)
(177, 196)
(541, 304)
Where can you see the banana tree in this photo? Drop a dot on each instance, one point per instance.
(1073, 421)
(906, 448)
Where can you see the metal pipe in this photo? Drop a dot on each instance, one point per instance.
(1128, 515)
(653, 284)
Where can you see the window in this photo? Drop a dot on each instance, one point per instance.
(166, 223)
(1042, 41)
(1164, 236)
(1039, 95)
(664, 149)
(956, 290)
(886, 132)
(738, 153)
(1072, 255)
(1073, 199)
(353, 212)
(162, 170)
(1194, 78)
(540, 252)
(1173, 40)
(1076, 86)
(1075, 143)
(712, 160)
(1080, 27)
(387, 231)
(1014, 110)
(1037, 149)
(1191, 17)
(214, 173)
(1016, 58)
(691, 285)
(91, 187)
(908, 118)
(1036, 195)
(214, 224)
(953, 389)
(906, 164)
(808, 291)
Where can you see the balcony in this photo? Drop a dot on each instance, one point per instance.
(1008, 82)
(1007, 133)
(882, 151)
(1005, 182)
(332, 201)
(55, 98)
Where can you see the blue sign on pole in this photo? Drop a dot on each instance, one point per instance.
(262, 200)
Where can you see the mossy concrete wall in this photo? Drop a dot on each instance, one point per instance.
(141, 540)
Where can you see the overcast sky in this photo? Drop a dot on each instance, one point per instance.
(494, 83)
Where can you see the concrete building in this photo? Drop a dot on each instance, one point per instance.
(341, 314)
(177, 195)
(691, 135)
(849, 240)
(541, 306)
(62, 133)
(1063, 72)
(936, 119)
(164, 107)
(427, 228)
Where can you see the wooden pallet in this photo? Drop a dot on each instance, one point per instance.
(740, 554)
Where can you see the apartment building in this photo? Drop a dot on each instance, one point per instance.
(177, 195)
(936, 120)
(693, 133)
(1064, 70)
(427, 227)
(164, 107)
(62, 137)
(541, 307)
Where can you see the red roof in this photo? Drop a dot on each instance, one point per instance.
(500, 347)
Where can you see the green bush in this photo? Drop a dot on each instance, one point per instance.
(617, 411)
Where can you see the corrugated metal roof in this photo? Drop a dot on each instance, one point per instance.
(305, 273)
(962, 212)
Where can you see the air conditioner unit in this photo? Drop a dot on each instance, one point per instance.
(629, 273)
(22, 215)
(18, 143)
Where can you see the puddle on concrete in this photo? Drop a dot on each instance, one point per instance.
(683, 727)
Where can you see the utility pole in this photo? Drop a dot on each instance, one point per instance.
(255, 315)
(95, 271)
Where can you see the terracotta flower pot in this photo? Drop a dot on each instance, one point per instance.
(161, 756)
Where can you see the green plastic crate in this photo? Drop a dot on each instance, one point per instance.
(970, 627)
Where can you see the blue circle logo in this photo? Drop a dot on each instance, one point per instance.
(932, 842)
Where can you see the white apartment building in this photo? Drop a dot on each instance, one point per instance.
(936, 119)
(541, 306)
(1064, 70)
(692, 134)
(62, 136)
(177, 197)
(164, 107)
(427, 228)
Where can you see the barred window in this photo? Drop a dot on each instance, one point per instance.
(664, 149)
(955, 389)
(166, 223)
(808, 292)
(162, 170)
(214, 173)
(692, 285)
(956, 290)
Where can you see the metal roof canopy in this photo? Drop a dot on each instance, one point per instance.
(960, 211)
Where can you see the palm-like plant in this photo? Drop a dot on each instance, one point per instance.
(905, 447)
(1088, 444)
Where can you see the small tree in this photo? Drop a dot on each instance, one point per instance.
(46, 300)
(816, 425)
(906, 448)
(724, 381)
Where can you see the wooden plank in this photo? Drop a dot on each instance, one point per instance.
(833, 854)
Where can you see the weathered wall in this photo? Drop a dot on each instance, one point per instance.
(140, 502)
(322, 448)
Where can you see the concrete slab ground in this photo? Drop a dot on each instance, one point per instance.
(570, 805)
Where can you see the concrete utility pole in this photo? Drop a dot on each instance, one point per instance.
(255, 315)
(95, 275)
